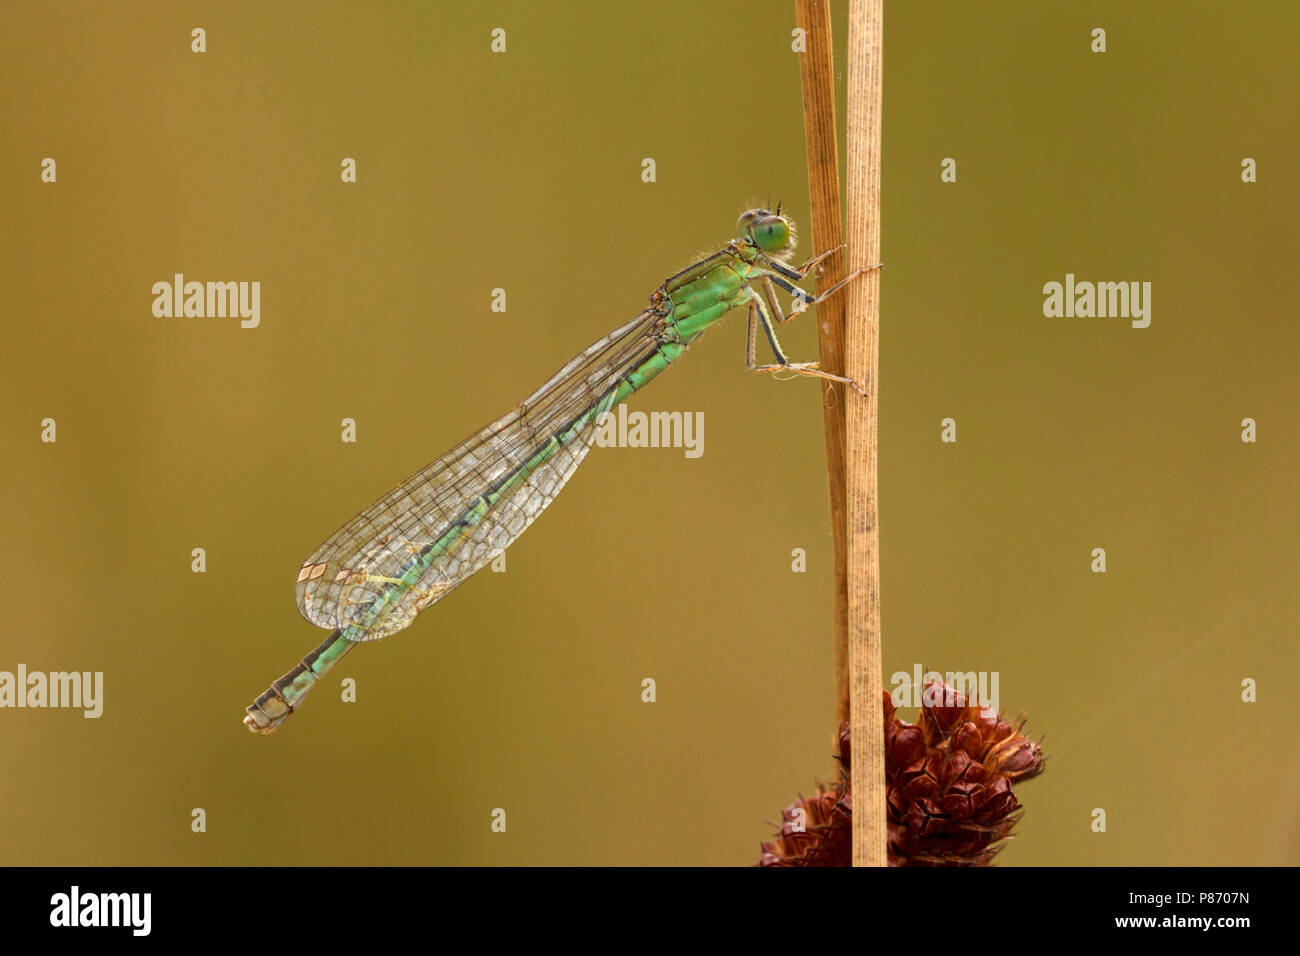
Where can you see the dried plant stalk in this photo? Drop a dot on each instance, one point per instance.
(862, 345)
(817, 73)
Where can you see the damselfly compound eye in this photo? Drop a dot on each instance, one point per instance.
(771, 233)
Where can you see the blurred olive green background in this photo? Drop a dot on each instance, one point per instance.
(522, 171)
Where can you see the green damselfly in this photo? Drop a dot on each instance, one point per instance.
(417, 543)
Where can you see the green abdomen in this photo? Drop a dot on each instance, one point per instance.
(701, 302)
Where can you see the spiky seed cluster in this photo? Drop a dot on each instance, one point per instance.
(949, 796)
(815, 831)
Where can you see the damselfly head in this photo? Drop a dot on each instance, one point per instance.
(768, 230)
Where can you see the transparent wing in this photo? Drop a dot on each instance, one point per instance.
(349, 580)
